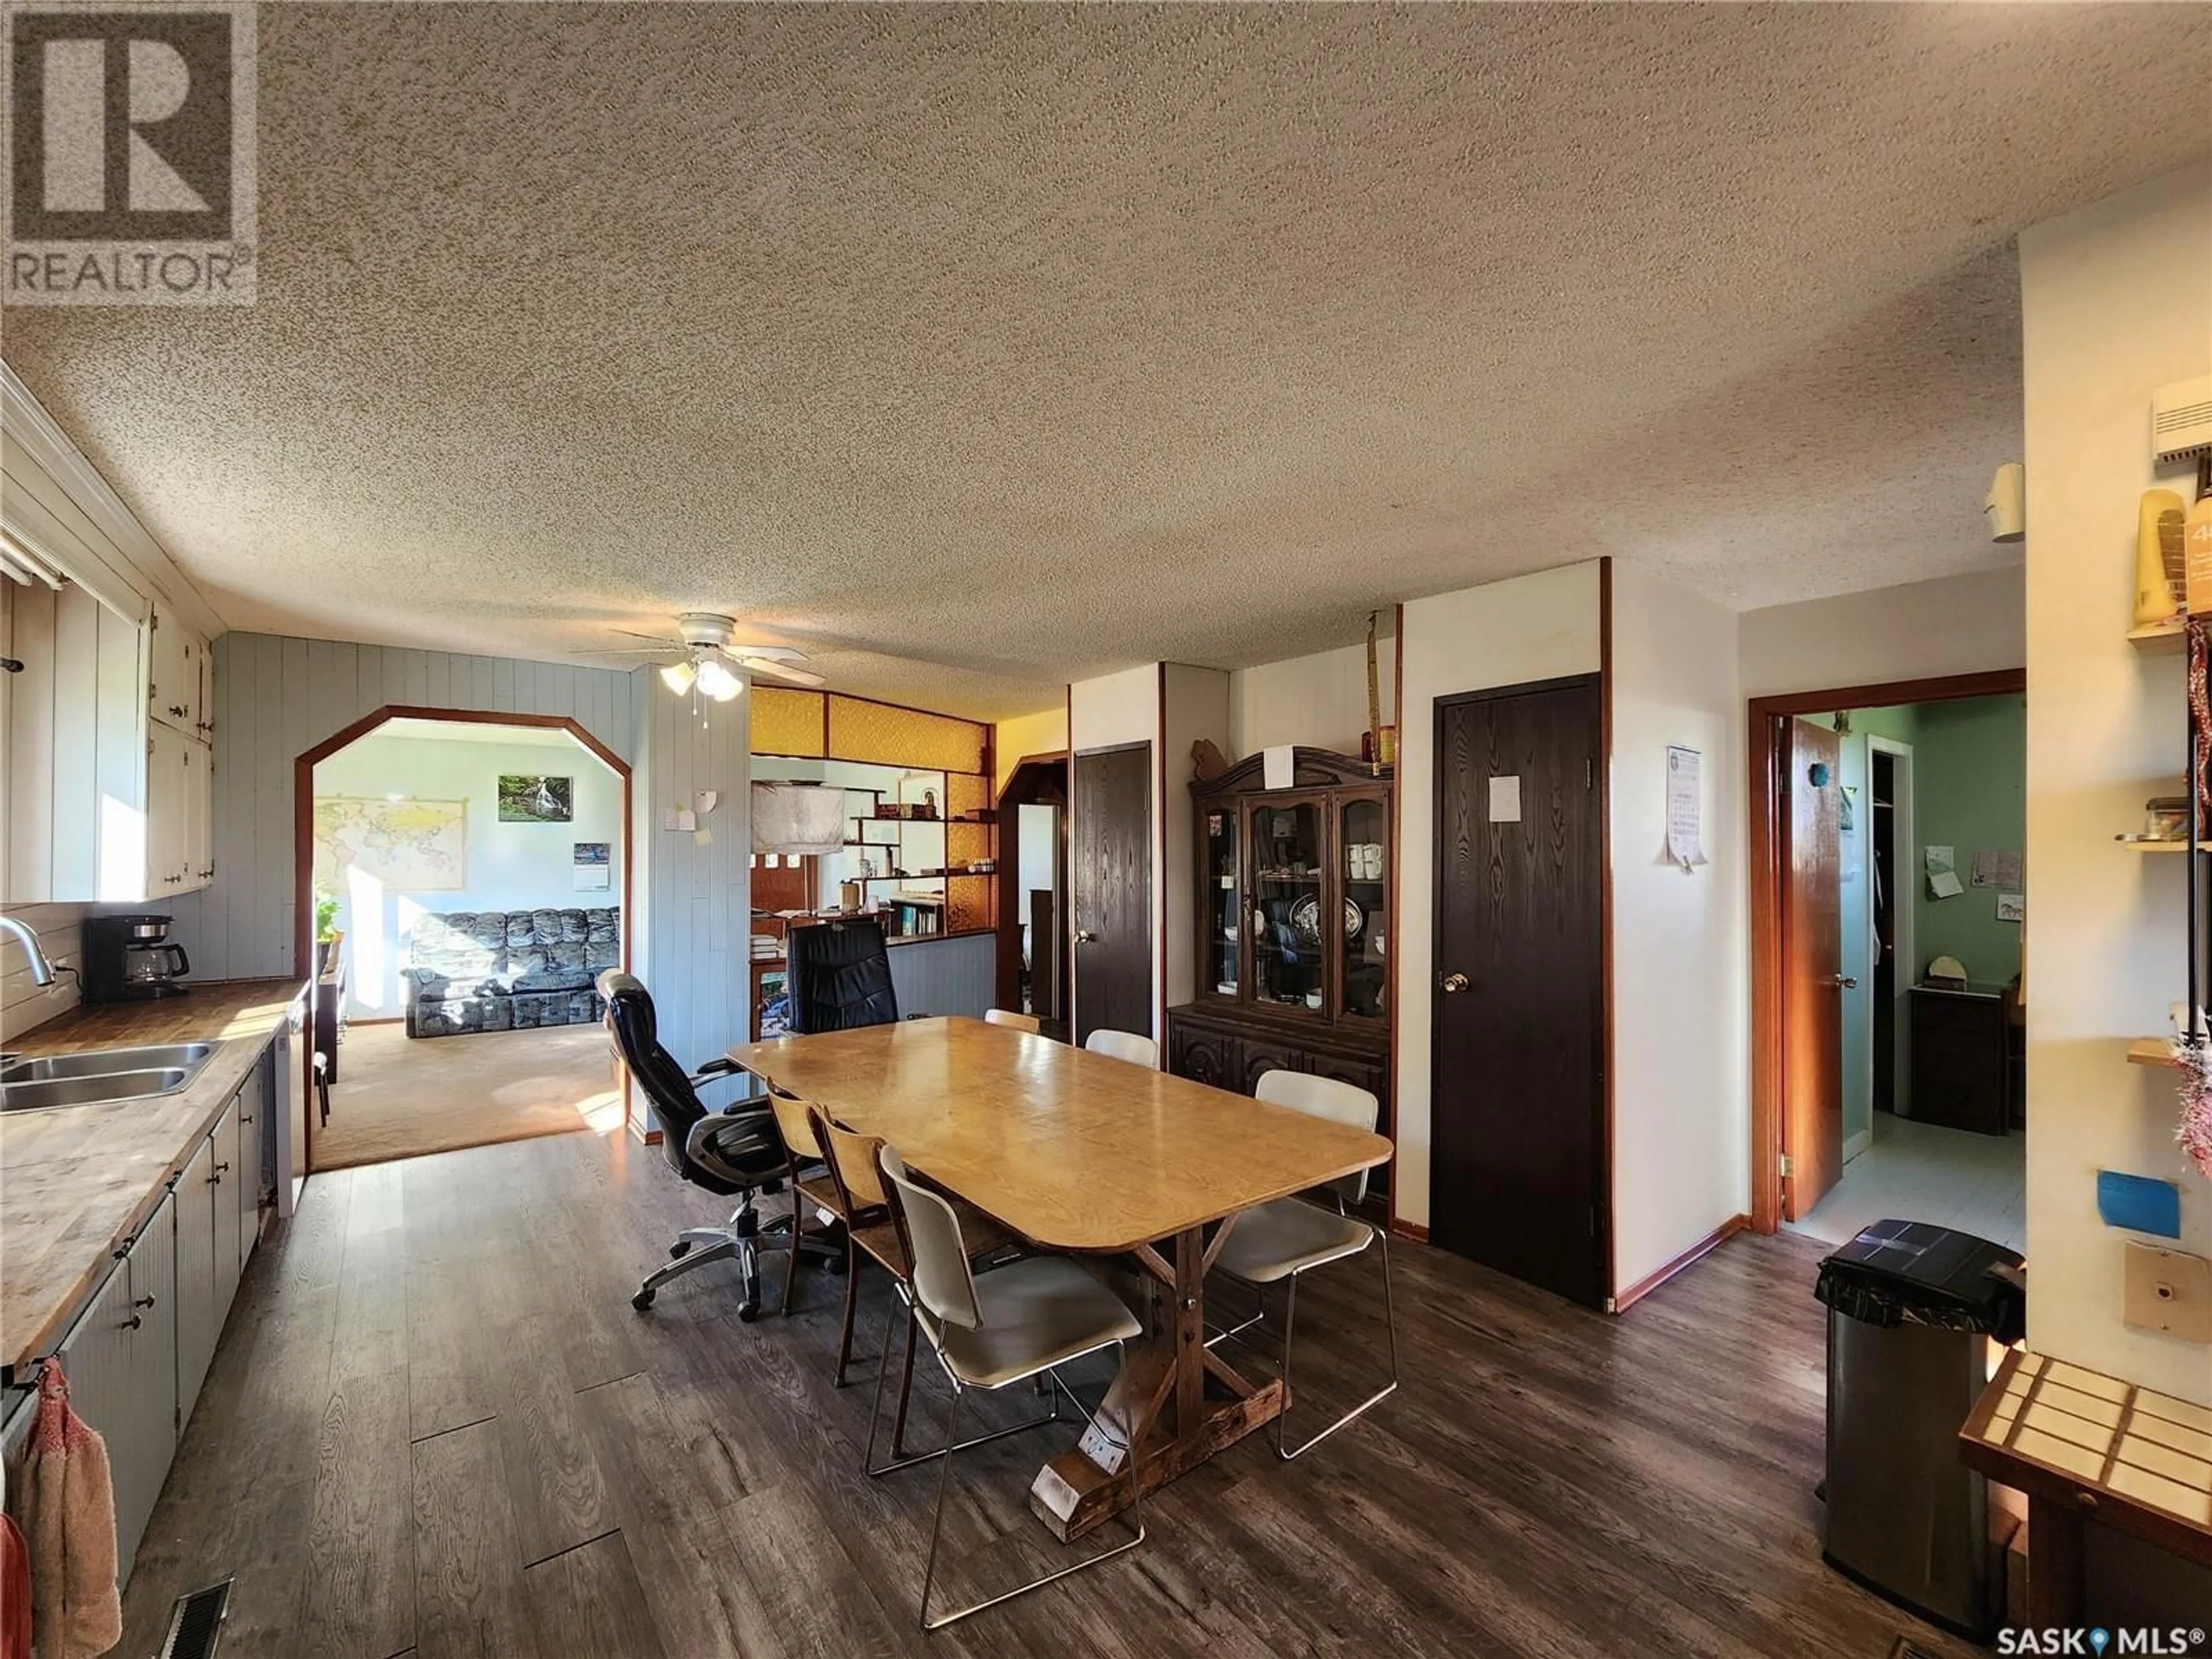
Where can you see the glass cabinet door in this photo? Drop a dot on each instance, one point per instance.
(1288, 882)
(1363, 848)
(1222, 904)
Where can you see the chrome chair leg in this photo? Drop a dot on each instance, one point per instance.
(722, 1249)
(1390, 1326)
(899, 1462)
(945, 1485)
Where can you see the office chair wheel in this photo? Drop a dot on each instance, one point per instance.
(679, 1249)
(748, 1312)
(642, 1301)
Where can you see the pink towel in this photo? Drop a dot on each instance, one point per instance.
(15, 1591)
(69, 1503)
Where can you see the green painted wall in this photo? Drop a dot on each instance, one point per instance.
(1969, 771)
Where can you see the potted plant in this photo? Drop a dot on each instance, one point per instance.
(326, 935)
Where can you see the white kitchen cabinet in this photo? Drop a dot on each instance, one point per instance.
(120, 1360)
(199, 1324)
(109, 799)
(176, 688)
(230, 1190)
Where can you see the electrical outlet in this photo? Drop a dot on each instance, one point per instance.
(2169, 1291)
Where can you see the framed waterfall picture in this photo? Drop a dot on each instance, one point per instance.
(529, 799)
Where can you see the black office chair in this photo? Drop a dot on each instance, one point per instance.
(736, 1153)
(840, 976)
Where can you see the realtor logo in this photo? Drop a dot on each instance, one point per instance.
(129, 155)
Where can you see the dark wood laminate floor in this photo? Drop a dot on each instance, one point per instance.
(435, 1427)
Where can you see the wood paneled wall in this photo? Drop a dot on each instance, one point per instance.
(276, 698)
(690, 942)
(61, 936)
(946, 976)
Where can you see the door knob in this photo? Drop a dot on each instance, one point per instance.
(1085, 936)
(1455, 983)
(1845, 982)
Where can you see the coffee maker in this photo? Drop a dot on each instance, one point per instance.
(131, 959)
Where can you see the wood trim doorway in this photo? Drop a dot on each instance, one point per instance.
(1768, 749)
(303, 844)
(1039, 780)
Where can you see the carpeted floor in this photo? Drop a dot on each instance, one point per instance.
(401, 1098)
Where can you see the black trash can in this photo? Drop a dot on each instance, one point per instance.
(1912, 1309)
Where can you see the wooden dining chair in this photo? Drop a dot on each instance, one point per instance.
(1278, 1242)
(811, 1184)
(1125, 1045)
(1012, 1021)
(1022, 1321)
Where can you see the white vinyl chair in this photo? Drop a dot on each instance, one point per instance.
(1125, 1045)
(1289, 1238)
(1012, 1021)
(1021, 1320)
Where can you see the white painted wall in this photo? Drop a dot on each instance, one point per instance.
(1532, 627)
(2116, 299)
(506, 867)
(1968, 624)
(1198, 705)
(1680, 1022)
(1320, 701)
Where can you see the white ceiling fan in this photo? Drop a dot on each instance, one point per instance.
(705, 648)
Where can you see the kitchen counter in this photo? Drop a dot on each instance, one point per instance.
(76, 1180)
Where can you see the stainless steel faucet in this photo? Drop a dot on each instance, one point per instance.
(42, 971)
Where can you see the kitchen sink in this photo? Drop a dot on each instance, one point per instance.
(91, 1090)
(107, 1062)
(83, 1079)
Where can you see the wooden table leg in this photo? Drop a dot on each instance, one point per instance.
(2054, 1563)
(1187, 1405)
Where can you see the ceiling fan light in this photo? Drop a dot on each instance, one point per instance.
(677, 676)
(718, 682)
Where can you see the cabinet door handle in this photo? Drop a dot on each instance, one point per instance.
(216, 1180)
(143, 1302)
(132, 1323)
(246, 1117)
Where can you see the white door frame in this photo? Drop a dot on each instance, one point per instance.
(1907, 875)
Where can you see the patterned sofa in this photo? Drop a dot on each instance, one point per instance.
(502, 971)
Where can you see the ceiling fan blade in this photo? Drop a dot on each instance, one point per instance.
(780, 671)
(658, 639)
(765, 652)
(632, 651)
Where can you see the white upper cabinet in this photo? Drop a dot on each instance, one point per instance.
(177, 660)
(105, 802)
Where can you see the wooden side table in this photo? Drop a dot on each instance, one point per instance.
(2087, 1446)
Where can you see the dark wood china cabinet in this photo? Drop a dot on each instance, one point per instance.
(1292, 926)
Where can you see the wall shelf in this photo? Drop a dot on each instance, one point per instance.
(2157, 639)
(2149, 844)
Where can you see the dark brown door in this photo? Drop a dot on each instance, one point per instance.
(1113, 882)
(1519, 1177)
(1811, 968)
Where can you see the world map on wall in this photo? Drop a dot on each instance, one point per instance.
(409, 846)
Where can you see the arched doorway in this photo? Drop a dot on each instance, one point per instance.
(415, 829)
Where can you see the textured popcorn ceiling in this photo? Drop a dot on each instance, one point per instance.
(977, 350)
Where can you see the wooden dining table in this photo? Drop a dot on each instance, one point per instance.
(1084, 1155)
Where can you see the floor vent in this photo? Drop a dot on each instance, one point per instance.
(196, 1627)
(1906, 1648)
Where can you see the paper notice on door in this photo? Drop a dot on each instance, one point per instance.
(1944, 884)
(1683, 796)
(1505, 800)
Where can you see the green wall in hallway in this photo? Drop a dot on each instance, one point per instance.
(1969, 771)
